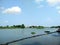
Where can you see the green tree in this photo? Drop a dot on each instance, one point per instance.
(7, 26)
(22, 26)
(40, 27)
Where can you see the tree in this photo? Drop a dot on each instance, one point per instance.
(22, 26)
(40, 27)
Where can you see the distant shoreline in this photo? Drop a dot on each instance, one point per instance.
(22, 26)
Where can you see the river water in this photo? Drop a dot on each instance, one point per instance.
(7, 35)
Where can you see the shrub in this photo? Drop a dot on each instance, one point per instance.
(33, 33)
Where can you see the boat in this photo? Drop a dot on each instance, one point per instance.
(47, 32)
(58, 30)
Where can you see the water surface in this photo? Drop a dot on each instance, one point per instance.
(7, 35)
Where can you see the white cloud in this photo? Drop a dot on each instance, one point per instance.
(50, 2)
(53, 2)
(58, 7)
(59, 11)
(12, 10)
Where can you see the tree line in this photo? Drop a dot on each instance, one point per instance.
(55, 26)
(14, 26)
(21, 26)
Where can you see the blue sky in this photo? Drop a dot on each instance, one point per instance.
(30, 12)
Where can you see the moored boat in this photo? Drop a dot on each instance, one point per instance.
(58, 30)
(47, 32)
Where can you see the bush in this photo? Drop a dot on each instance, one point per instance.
(33, 33)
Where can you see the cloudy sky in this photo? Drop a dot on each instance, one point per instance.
(30, 12)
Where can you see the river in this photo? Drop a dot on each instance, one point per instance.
(7, 35)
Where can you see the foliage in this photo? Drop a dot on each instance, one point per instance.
(36, 27)
(14, 26)
(55, 27)
(21, 26)
(33, 33)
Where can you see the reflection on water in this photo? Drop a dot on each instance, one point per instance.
(41, 40)
(35, 43)
(10, 35)
(56, 34)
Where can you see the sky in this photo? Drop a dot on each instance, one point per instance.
(30, 12)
